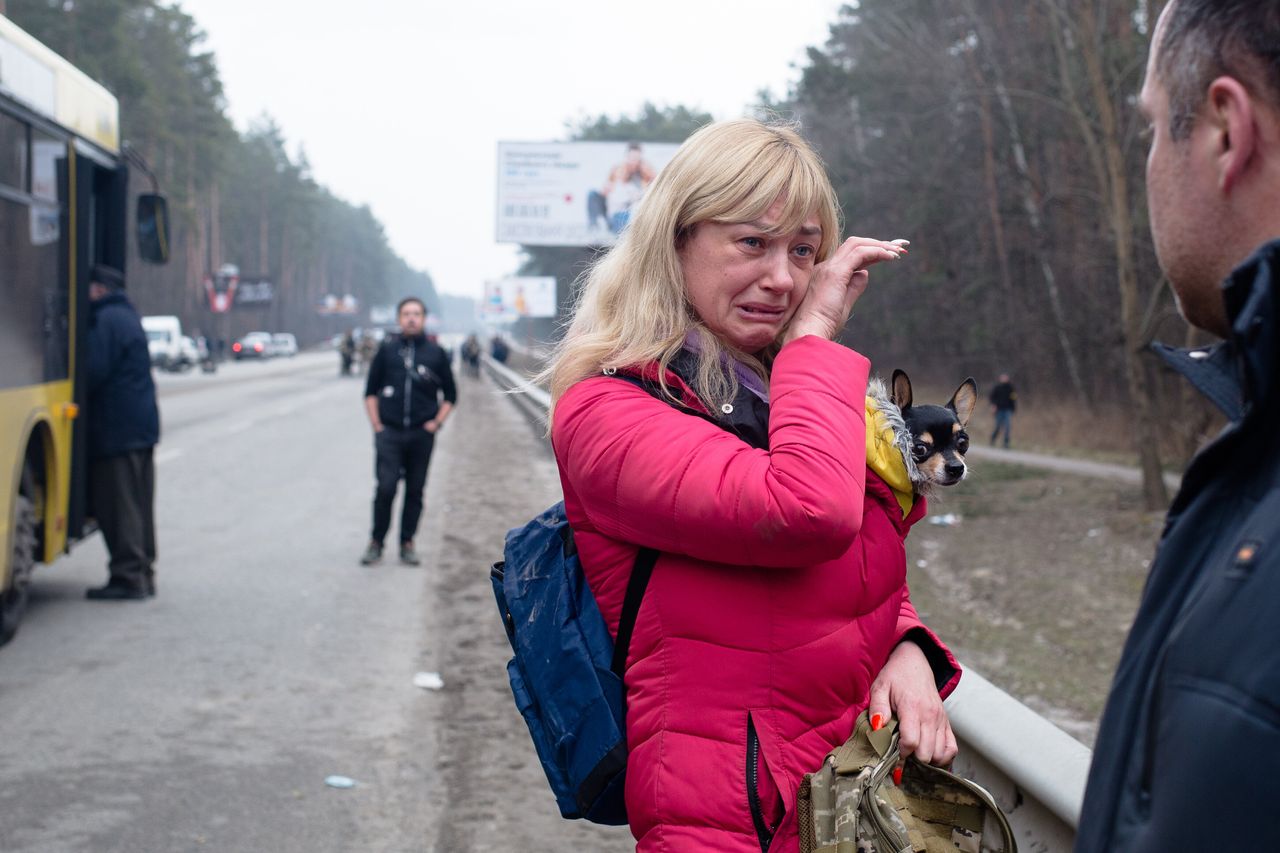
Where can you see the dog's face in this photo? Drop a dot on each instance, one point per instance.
(938, 437)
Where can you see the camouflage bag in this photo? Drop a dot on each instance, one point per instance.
(852, 805)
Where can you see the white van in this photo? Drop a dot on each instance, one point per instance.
(284, 344)
(164, 341)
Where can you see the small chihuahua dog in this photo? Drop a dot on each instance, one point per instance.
(938, 437)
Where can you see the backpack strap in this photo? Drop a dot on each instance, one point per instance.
(646, 559)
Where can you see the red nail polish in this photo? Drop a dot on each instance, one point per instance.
(877, 722)
(897, 775)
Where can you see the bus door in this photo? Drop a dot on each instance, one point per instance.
(98, 237)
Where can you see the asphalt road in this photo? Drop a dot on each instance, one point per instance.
(209, 718)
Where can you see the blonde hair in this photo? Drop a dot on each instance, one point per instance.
(632, 307)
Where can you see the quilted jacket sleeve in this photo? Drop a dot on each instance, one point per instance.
(653, 476)
(946, 669)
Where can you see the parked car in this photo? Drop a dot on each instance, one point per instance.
(188, 353)
(252, 345)
(164, 341)
(284, 344)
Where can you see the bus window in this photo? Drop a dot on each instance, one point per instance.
(48, 154)
(13, 153)
(34, 332)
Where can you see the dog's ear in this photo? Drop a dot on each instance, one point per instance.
(964, 400)
(901, 384)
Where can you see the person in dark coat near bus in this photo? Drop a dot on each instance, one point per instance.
(407, 378)
(1186, 753)
(123, 428)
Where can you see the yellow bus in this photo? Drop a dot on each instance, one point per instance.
(64, 204)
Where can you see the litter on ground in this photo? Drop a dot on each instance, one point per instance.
(428, 680)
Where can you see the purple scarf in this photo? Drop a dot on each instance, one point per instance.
(746, 376)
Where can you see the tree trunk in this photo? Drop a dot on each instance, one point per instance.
(1115, 189)
(1008, 307)
(264, 232)
(1031, 204)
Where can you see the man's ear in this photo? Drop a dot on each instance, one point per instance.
(1234, 118)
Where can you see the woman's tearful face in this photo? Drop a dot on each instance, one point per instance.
(745, 280)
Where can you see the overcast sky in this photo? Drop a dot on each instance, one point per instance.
(400, 104)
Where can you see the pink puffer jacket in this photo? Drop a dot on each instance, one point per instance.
(774, 604)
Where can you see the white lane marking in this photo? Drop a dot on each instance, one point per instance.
(168, 455)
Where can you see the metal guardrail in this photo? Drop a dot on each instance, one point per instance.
(1035, 771)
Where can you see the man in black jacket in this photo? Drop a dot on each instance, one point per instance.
(123, 427)
(407, 377)
(1186, 754)
(1004, 402)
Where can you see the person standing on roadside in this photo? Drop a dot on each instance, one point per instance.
(402, 397)
(1185, 752)
(123, 428)
(778, 609)
(347, 352)
(1004, 402)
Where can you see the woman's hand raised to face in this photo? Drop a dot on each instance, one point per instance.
(836, 285)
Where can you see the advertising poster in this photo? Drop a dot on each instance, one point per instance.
(572, 193)
(519, 296)
(227, 288)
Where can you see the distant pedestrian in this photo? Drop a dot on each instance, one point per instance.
(347, 352)
(471, 355)
(408, 376)
(1186, 752)
(368, 348)
(123, 427)
(499, 350)
(1004, 402)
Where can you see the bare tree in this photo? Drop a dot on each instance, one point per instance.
(1030, 203)
(1077, 26)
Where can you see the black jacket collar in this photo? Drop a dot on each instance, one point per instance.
(1241, 372)
(748, 415)
(115, 297)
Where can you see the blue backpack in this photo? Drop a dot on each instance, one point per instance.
(567, 671)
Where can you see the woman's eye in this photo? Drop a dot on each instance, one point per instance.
(804, 251)
(752, 242)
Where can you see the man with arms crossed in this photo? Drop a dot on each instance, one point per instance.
(407, 377)
(1186, 754)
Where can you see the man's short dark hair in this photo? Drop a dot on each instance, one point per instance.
(1206, 39)
(107, 276)
(409, 299)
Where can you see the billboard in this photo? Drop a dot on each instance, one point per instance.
(346, 305)
(572, 193)
(519, 296)
(382, 315)
(227, 288)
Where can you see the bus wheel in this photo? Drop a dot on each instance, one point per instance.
(13, 599)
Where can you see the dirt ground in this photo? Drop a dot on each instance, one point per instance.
(1036, 585)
